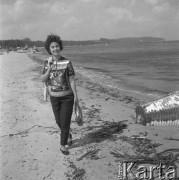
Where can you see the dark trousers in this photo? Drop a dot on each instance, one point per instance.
(62, 109)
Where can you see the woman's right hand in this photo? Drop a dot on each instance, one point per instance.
(49, 65)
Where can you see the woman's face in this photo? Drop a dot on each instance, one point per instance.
(55, 48)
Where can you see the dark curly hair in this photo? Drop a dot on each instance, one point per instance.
(53, 38)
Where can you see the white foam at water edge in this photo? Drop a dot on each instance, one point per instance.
(154, 95)
(78, 67)
(132, 91)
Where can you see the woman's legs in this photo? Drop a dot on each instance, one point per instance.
(65, 117)
(63, 108)
(56, 106)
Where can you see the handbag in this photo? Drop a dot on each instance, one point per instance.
(78, 114)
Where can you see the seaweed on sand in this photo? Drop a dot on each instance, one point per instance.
(142, 145)
(146, 152)
(75, 173)
(105, 132)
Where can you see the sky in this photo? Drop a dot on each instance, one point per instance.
(89, 19)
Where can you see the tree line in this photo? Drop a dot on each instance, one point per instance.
(14, 43)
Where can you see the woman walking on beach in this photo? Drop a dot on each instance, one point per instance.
(58, 74)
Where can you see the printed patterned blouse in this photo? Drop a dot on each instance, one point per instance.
(59, 75)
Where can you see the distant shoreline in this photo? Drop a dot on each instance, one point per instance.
(13, 43)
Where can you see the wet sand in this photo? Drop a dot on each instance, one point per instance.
(30, 138)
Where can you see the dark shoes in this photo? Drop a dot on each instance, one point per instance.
(69, 143)
(65, 152)
(69, 140)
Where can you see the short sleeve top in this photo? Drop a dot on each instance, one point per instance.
(59, 74)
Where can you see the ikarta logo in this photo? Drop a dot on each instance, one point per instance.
(162, 172)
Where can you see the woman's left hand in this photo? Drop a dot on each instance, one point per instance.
(76, 100)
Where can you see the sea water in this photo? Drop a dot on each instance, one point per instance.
(144, 67)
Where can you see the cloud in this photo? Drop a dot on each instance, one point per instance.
(60, 8)
(70, 22)
(119, 13)
(132, 2)
(171, 3)
(162, 8)
(88, 19)
(86, 1)
(152, 2)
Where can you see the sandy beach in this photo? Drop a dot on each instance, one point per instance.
(30, 138)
